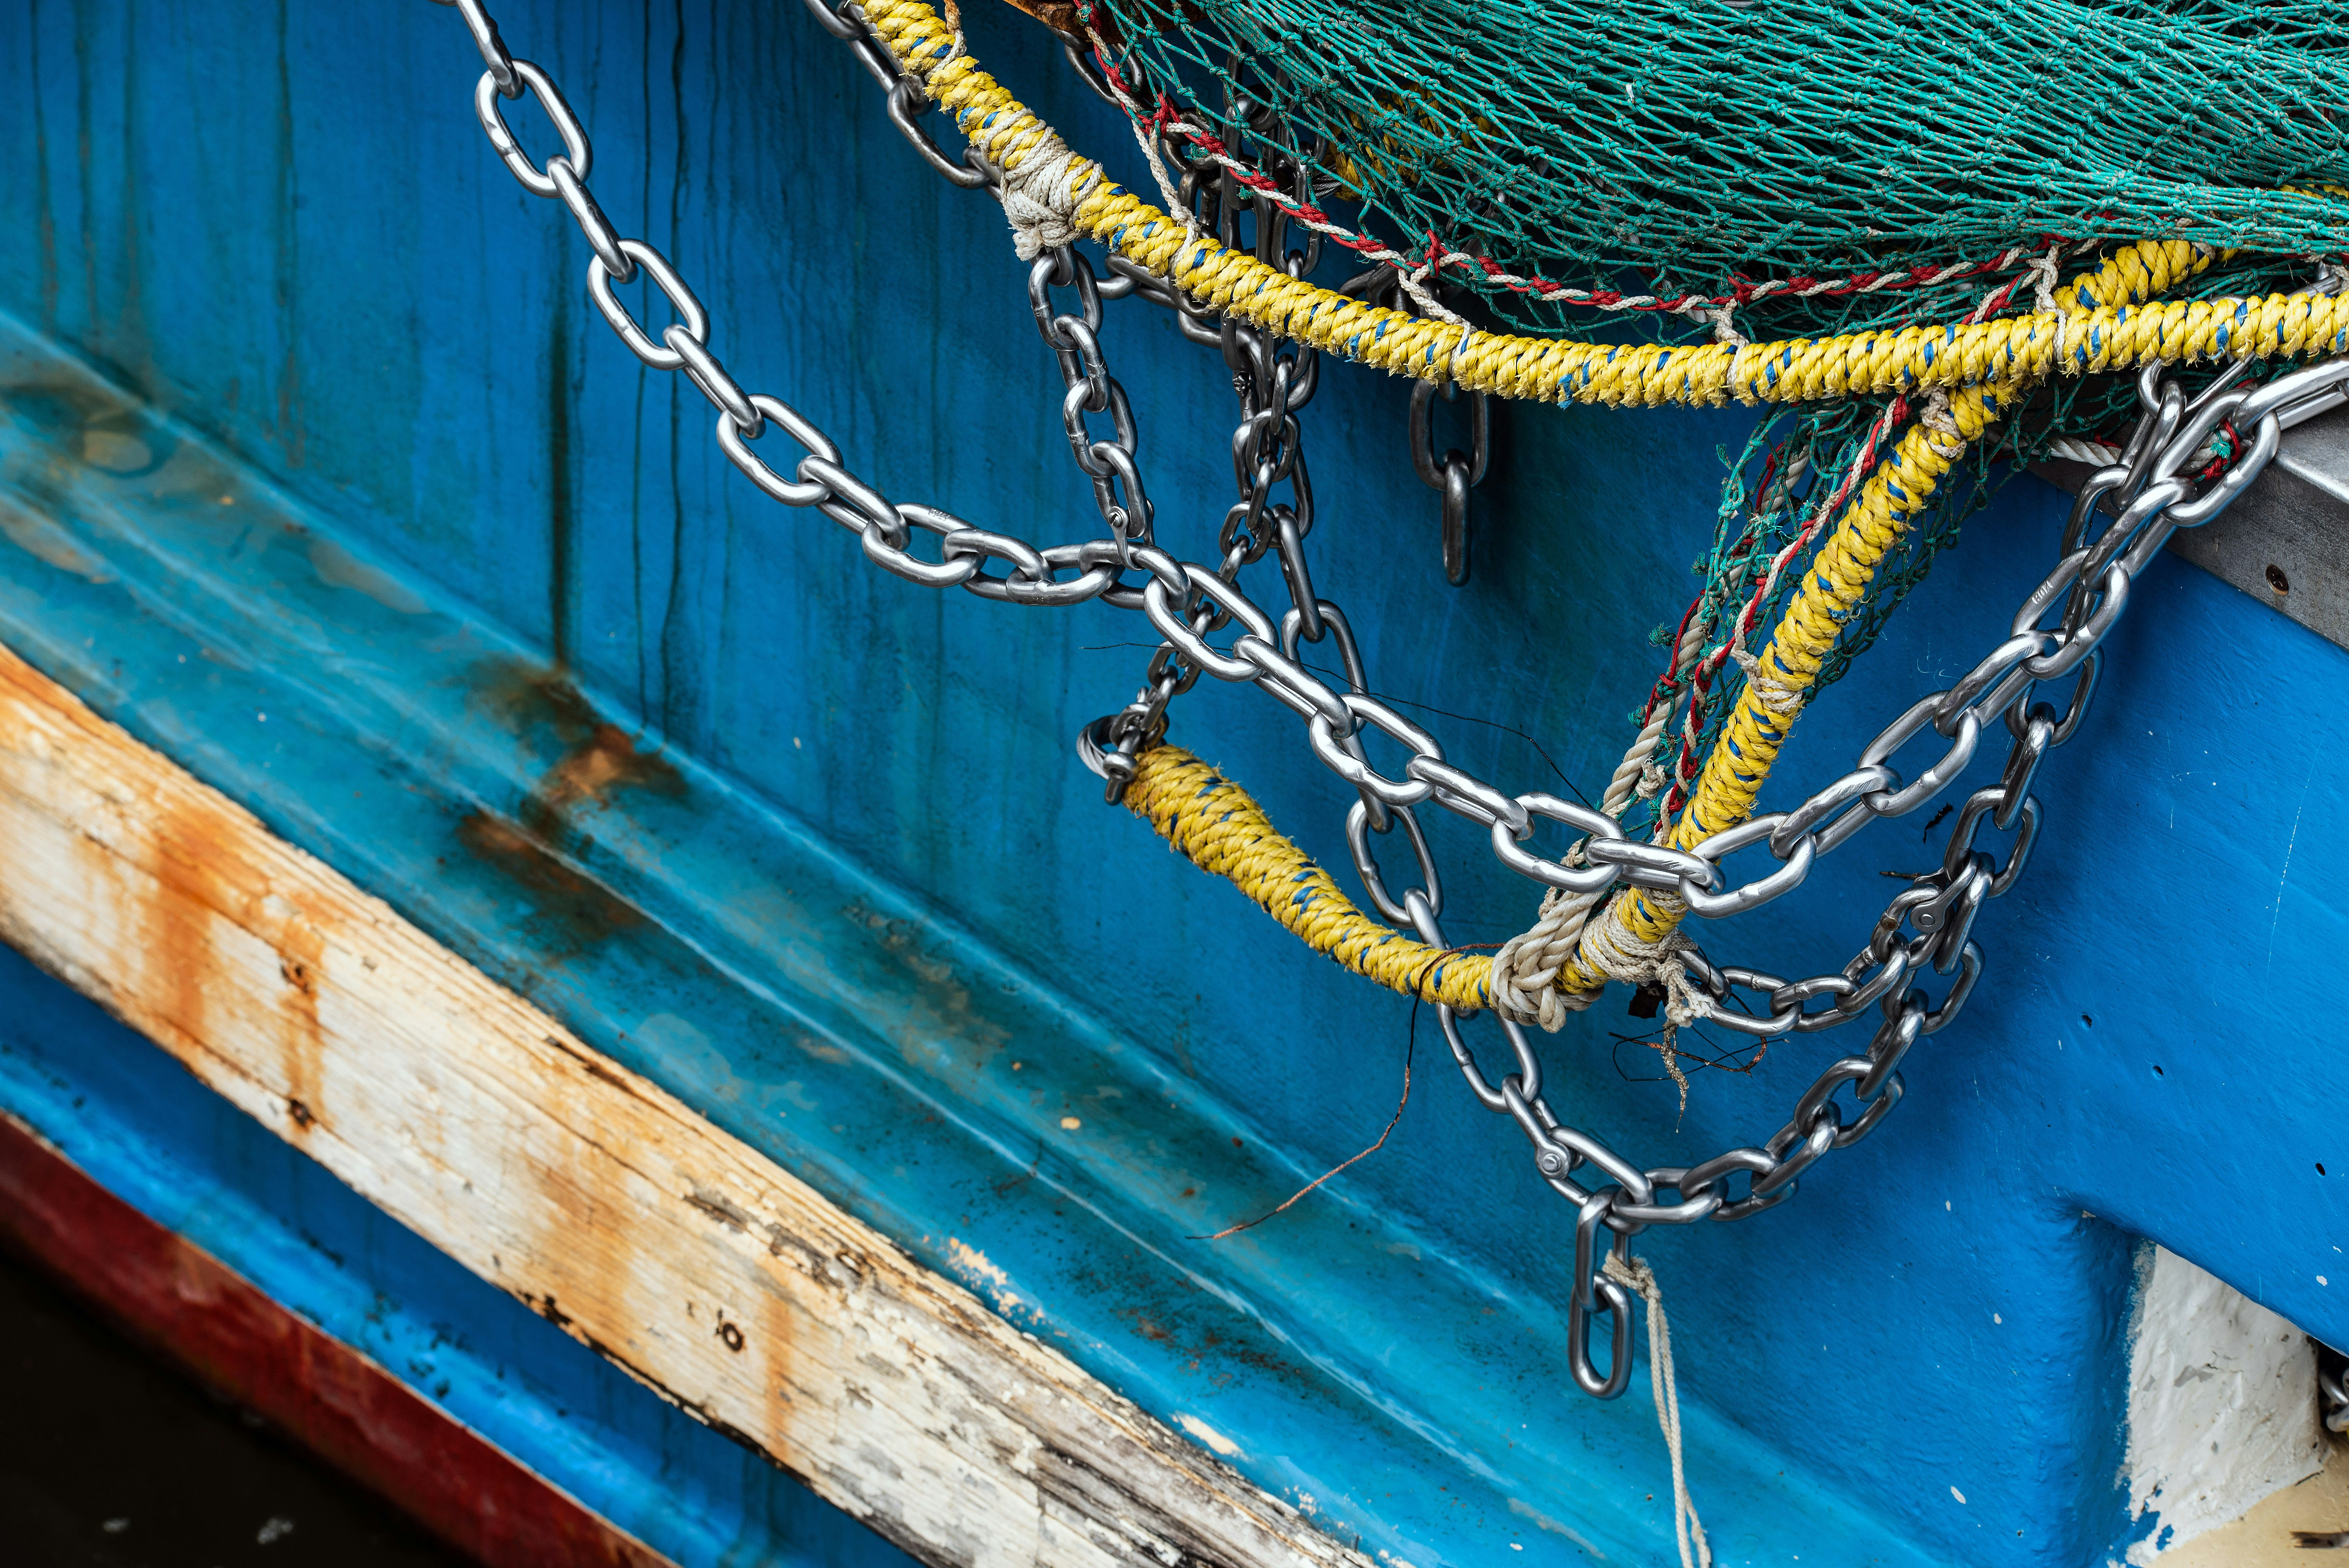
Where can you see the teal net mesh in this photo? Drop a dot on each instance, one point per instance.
(1822, 165)
(1670, 146)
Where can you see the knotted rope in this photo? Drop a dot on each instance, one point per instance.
(1778, 679)
(1040, 196)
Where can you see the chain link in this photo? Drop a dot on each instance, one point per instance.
(1453, 474)
(2121, 520)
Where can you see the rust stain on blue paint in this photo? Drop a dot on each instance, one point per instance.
(598, 761)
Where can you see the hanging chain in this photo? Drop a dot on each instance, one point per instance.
(1273, 381)
(1455, 472)
(2149, 494)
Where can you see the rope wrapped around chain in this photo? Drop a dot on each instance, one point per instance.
(1777, 682)
(1973, 370)
(1560, 966)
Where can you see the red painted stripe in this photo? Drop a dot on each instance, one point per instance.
(184, 1302)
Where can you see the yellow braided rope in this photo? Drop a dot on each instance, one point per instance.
(2085, 334)
(2098, 324)
(1216, 825)
(1902, 486)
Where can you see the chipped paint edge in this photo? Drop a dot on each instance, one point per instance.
(2221, 1404)
(331, 1397)
(581, 1187)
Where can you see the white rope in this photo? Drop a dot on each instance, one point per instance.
(1611, 947)
(954, 21)
(1413, 282)
(1041, 197)
(2044, 287)
(2075, 450)
(1635, 1273)
(1777, 696)
(1523, 985)
(1134, 118)
(1938, 419)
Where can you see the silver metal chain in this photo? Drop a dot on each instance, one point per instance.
(1453, 474)
(2055, 636)
(1273, 381)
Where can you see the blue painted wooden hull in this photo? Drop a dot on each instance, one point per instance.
(866, 875)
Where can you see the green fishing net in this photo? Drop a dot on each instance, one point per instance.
(1821, 166)
(1694, 143)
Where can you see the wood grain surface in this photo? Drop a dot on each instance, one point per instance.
(698, 1265)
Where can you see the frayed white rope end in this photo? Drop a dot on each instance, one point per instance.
(1611, 947)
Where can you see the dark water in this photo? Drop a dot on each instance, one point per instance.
(112, 1458)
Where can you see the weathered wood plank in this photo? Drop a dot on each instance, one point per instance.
(181, 1301)
(693, 1261)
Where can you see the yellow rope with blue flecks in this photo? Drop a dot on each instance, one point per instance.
(1218, 827)
(2106, 320)
(1901, 487)
(2091, 332)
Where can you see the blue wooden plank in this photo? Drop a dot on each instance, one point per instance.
(284, 228)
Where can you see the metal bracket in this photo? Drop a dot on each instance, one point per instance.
(2286, 541)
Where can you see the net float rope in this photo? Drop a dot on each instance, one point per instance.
(1217, 826)
(2084, 335)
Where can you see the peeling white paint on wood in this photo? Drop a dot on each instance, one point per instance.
(691, 1260)
(2222, 1403)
